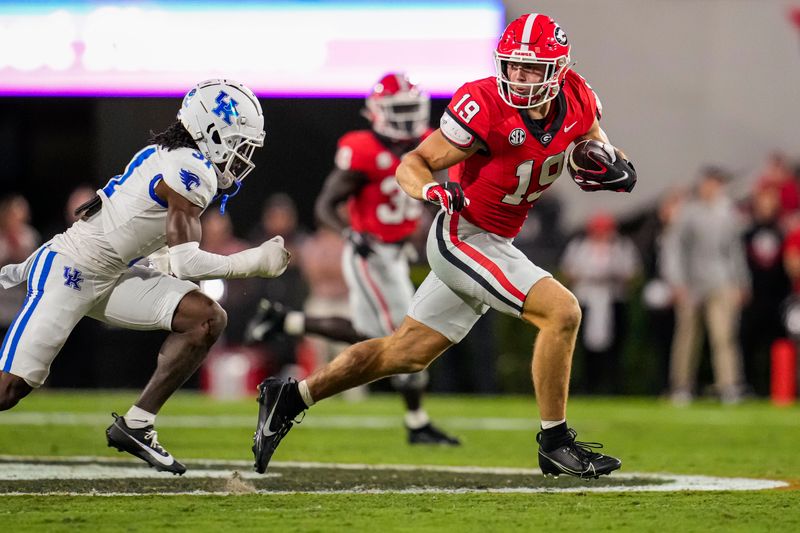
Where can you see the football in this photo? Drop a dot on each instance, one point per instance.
(590, 158)
(596, 165)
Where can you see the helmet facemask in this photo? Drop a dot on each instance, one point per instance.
(237, 162)
(537, 93)
(400, 117)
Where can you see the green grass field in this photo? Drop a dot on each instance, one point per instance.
(753, 440)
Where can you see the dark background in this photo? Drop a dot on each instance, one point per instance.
(51, 145)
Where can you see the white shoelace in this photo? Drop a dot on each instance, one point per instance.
(152, 436)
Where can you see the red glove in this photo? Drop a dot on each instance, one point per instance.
(449, 196)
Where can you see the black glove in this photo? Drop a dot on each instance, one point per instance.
(628, 184)
(361, 243)
(597, 169)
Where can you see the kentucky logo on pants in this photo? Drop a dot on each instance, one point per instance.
(73, 278)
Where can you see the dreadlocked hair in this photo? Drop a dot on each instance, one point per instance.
(175, 136)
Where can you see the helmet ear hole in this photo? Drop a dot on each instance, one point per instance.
(215, 137)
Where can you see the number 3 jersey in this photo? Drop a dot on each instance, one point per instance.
(519, 158)
(133, 220)
(380, 207)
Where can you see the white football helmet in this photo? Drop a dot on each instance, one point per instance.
(225, 120)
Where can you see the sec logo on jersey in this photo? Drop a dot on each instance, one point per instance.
(516, 137)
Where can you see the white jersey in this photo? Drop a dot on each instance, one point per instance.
(132, 223)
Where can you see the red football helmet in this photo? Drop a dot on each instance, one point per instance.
(397, 108)
(532, 39)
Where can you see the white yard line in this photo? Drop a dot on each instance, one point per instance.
(88, 468)
(459, 423)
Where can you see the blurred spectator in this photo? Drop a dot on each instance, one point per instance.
(18, 240)
(704, 262)
(236, 296)
(79, 195)
(599, 268)
(319, 261)
(777, 176)
(761, 318)
(279, 217)
(657, 294)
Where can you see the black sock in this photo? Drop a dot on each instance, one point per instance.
(413, 398)
(555, 437)
(294, 402)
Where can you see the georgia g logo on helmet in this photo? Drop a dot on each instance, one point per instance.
(560, 35)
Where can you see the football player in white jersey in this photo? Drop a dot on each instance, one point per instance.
(152, 209)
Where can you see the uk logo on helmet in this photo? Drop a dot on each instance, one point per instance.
(189, 179)
(225, 108)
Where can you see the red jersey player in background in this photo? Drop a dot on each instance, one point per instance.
(506, 137)
(375, 259)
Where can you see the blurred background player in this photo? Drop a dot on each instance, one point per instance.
(378, 222)
(90, 269)
(505, 137)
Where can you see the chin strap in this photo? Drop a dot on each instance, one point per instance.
(226, 197)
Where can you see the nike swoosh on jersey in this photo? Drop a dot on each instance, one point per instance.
(265, 430)
(567, 128)
(166, 461)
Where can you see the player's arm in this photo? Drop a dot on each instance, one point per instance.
(183, 217)
(415, 173)
(338, 187)
(188, 261)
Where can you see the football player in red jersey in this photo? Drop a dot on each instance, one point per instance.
(505, 137)
(381, 219)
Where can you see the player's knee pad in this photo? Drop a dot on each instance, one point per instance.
(414, 382)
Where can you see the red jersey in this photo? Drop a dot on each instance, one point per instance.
(380, 208)
(519, 158)
(791, 247)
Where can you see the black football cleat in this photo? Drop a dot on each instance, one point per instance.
(266, 323)
(430, 434)
(143, 443)
(273, 420)
(576, 458)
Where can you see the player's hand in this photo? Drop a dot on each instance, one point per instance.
(449, 196)
(620, 177)
(274, 258)
(361, 243)
(611, 169)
